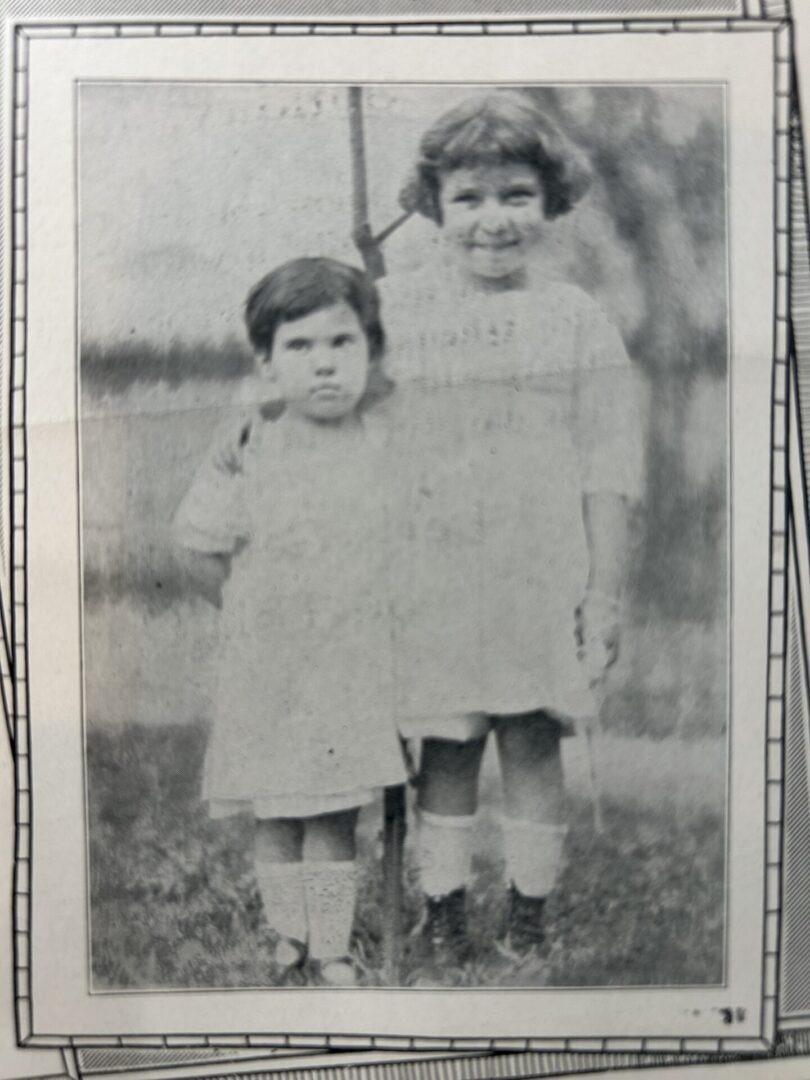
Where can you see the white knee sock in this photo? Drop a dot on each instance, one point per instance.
(331, 889)
(534, 855)
(445, 852)
(281, 886)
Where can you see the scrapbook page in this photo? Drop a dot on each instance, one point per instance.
(431, 382)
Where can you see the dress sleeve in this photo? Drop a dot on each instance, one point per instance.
(607, 406)
(212, 518)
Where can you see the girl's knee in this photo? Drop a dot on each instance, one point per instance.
(452, 757)
(332, 837)
(531, 768)
(448, 778)
(529, 735)
(279, 839)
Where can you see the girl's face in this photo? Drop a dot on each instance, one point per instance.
(492, 215)
(320, 363)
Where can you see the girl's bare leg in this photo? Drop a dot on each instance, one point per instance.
(448, 776)
(331, 837)
(279, 839)
(330, 886)
(447, 801)
(534, 822)
(531, 768)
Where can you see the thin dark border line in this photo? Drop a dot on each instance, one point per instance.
(667, 1040)
(522, 1065)
(6, 677)
(70, 1059)
(773, 500)
(798, 507)
(691, 83)
(18, 405)
(4, 629)
(77, 206)
(783, 160)
(649, 13)
(103, 27)
(442, 1067)
(799, 180)
(798, 503)
(431, 30)
(201, 1056)
(730, 542)
(790, 529)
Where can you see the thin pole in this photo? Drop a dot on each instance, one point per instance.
(364, 239)
(393, 852)
(394, 820)
(593, 724)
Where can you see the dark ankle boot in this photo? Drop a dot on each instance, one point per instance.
(525, 927)
(444, 931)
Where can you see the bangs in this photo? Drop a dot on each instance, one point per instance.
(310, 293)
(502, 127)
(487, 139)
(304, 286)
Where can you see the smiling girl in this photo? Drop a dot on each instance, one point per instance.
(518, 420)
(287, 518)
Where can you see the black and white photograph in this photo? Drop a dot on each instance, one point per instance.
(407, 500)
(452, 506)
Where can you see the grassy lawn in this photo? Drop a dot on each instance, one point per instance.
(175, 904)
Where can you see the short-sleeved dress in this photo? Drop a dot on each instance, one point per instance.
(303, 711)
(509, 407)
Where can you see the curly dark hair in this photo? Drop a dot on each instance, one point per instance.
(303, 286)
(497, 128)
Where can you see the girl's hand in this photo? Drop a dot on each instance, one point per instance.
(597, 633)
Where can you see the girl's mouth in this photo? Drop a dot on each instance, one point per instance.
(507, 245)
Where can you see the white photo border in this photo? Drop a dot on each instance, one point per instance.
(23, 36)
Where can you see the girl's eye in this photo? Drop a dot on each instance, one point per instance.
(297, 344)
(342, 340)
(468, 198)
(519, 198)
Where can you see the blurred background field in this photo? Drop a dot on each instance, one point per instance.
(203, 189)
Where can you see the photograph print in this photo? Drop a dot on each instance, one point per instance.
(404, 483)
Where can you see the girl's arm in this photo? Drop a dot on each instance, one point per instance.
(605, 518)
(598, 630)
(210, 525)
(609, 432)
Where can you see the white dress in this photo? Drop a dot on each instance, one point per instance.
(303, 718)
(509, 407)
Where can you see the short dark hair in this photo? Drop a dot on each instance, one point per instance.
(497, 128)
(302, 286)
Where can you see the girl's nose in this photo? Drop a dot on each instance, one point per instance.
(492, 217)
(324, 364)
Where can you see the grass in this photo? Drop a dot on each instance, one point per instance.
(174, 902)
